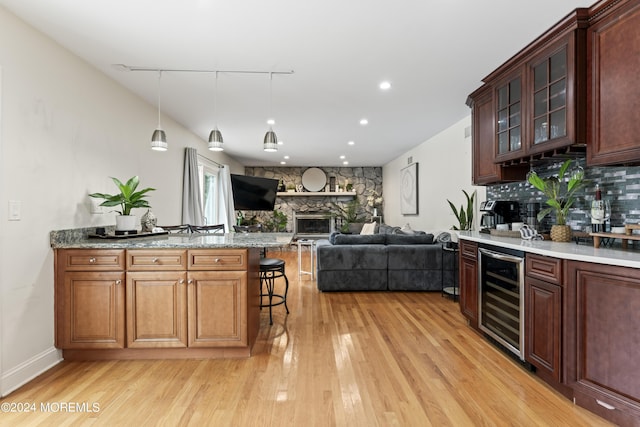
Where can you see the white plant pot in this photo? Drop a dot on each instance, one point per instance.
(126, 222)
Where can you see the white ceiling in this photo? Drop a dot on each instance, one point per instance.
(434, 52)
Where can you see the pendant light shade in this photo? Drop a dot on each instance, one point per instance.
(215, 136)
(159, 138)
(215, 140)
(270, 141)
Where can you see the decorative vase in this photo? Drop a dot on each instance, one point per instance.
(148, 221)
(560, 233)
(126, 222)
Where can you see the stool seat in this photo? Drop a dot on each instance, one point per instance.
(271, 269)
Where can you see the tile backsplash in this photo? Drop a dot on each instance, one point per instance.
(619, 185)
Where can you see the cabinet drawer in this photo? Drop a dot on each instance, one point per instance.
(544, 268)
(468, 249)
(218, 259)
(156, 259)
(91, 259)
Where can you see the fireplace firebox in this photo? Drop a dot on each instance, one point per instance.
(312, 225)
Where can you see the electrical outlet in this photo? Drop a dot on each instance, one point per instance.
(15, 210)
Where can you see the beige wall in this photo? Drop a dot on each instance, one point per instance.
(444, 170)
(64, 129)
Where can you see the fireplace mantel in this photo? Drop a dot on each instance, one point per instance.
(318, 194)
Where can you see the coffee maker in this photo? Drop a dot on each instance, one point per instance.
(498, 212)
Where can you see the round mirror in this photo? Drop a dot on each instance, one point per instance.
(314, 179)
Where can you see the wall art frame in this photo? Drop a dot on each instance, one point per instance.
(409, 189)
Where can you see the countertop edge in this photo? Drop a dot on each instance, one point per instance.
(569, 251)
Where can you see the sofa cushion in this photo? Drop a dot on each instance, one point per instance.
(359, 239)
(405, 239)
(387, 229)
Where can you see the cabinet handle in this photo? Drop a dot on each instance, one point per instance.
(181, 281)
(190, 281)
(92, 260)
(217, 260)
(605, 405)
(118, 282)
(154, 260)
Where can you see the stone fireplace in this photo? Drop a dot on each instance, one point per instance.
(312, 225)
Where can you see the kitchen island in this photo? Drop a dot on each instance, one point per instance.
(157, 297)
(581, 318)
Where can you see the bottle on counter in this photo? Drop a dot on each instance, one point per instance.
(597, 212)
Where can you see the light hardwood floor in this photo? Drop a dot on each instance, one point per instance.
(338, 359)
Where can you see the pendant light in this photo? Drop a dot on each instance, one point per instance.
(159, 139)
(215, 137)
(270, 139)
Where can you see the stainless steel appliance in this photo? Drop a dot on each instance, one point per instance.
(499, 212)
(501, 296)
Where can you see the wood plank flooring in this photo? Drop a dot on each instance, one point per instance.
(338, 359)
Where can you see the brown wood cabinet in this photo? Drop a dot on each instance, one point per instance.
(533, 105)
(178, 303)
(89, 299)
(468, 267)
(543, 316)
(613, 42)
(602, 307)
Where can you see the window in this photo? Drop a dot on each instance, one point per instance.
(208, 175)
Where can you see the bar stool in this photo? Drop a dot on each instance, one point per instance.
(270, 270)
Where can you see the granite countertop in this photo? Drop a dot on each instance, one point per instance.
(78, 238)
(571, 251)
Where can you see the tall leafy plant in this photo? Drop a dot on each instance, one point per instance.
(464, 216)
(128, 198)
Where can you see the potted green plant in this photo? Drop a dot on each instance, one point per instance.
(560, 195)
(128, 198)
(464, 216)
(349, 215)
(279, 222)
(291, 188)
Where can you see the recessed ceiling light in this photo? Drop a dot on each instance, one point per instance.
(283, 162)
(364, 122)
(351, 143)
(343, 157)
(286, 157)
(345, 162)
(271, 122)
(385, 85)
(280, 142)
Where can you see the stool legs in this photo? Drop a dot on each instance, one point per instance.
(268, 279)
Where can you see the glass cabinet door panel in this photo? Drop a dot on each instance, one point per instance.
(503, 97)
(558, 124)
(514, 91)
(540, 76)
(558, 65)
(558, 95)
(514, 115)
(503, 122)
(503, 143)
(515, 140)
(540, 102)
(540, 128)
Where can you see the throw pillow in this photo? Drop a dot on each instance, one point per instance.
(443, 237)
(387, 229)
(369, 228)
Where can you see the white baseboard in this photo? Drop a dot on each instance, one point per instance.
(29, 369)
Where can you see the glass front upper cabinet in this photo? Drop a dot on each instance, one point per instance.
(550, 98)
(509, 117)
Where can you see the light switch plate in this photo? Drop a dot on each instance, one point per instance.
(15, 210)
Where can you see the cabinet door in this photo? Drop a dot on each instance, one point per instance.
(469, 290)
(602, 308)
(485, 169)
(508, 119)
(613, 46)
(543, 327)
(217, 308)
(156, 309)
(90, 308)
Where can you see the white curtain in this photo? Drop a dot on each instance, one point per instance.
(192, 212)
(224, 209)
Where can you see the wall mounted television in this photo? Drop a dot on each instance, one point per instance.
(253, 193)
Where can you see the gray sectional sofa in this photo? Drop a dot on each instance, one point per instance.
(384, 262)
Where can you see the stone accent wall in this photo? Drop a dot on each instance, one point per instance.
(364, 181)
(620, 185)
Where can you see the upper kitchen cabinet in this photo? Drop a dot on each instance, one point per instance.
(538, 100)
(613, 91)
